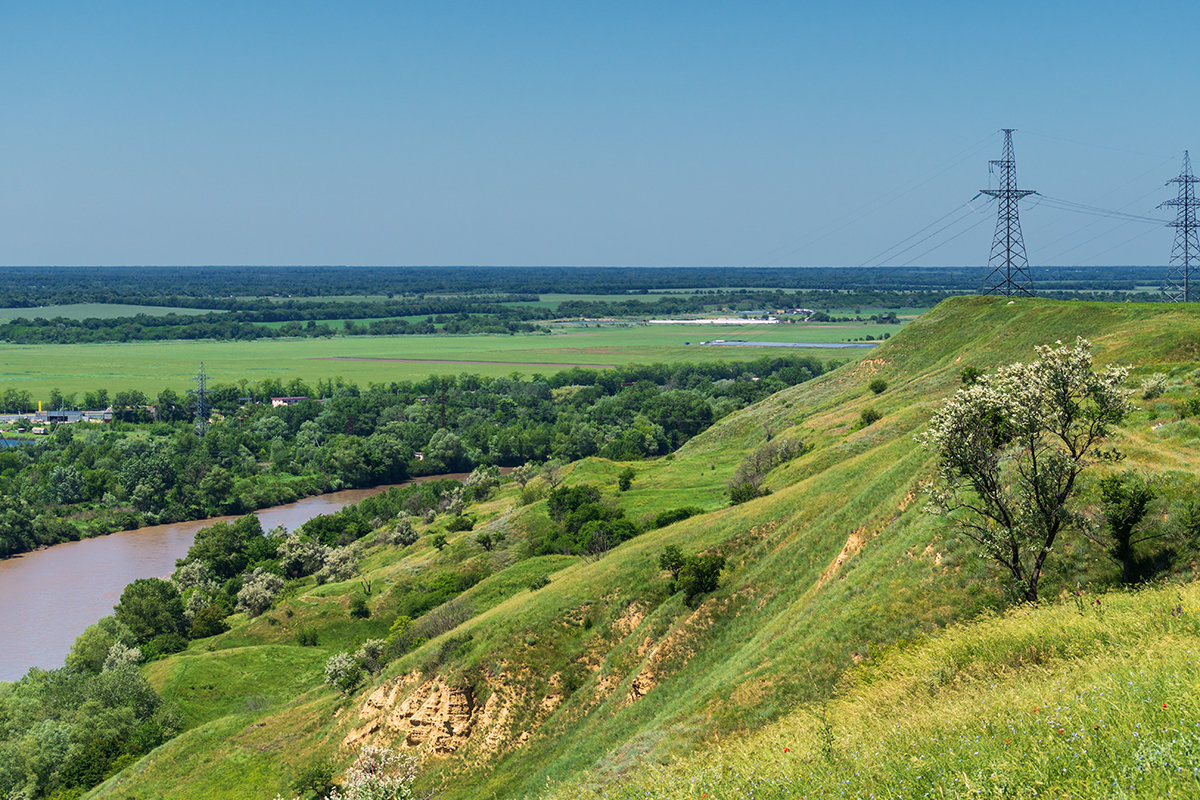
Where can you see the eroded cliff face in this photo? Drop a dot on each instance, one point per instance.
(497, 712)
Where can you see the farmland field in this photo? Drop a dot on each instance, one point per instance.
(94, 311)
(151, 366)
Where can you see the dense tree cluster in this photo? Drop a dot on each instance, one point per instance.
(85, 480)
(203, 287)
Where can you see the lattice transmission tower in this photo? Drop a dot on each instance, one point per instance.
(1009, 265)
(1186, 250)
(201, 395)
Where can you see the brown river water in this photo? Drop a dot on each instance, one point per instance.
(48, 597)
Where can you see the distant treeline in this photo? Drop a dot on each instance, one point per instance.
(505, 314)
(85, 480)
(32, 286)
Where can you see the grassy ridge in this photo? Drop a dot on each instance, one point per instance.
(603, 672)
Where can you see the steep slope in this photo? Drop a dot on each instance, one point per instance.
(603, 670)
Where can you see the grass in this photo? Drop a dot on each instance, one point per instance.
(152, 366)
(849, 626)
(1073, 700)
(95, 311)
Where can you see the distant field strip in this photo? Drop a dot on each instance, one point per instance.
(835, 345)
(455, 361)
(96, 311)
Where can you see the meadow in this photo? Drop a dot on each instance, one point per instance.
(152, 366)
(94, 311)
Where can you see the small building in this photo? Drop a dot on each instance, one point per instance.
(276, 402)
(40, 431)
(63, 417)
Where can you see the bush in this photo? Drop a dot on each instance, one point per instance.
(539, 582)
(1153, 386)
(208, 621)
(307, 636)
(358, 607)
(462, 523)
(532, 493)
(625, 479)
(343, 672)
(258, 592)
(403, 534)
(869, 416)
(878, 386)
(665, 518)
(699, 575)
(372, 655)
(439, 541)
(692, 575)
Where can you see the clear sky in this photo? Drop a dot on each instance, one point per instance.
(628, 133)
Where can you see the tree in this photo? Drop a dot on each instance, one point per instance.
(150, 607)
(258, 592)
(1124, 499)
(1011, 447)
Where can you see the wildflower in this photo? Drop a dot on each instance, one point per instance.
(785, 749)
(1164, 705)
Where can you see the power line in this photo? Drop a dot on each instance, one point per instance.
(1186, 249)
(1009, 264)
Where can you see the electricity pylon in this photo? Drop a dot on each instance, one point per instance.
(1177, 288)
(1010, 265)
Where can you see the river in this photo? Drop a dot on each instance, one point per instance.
(48, 597)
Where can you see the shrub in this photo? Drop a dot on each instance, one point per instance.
(878, 386)
(1153, 385)
(258, 592)
(461, 523)
(208, 621)
(539, 582)
(403, 534)
(439, 541)
(341, 564)
(868, 416)
(358, 607)
(343, 672)
(307, 636)
(625, 479)
(372, 655)
(692, 575)
(532, 493)
(665, 518)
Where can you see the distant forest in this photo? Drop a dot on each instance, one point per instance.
(271, 302)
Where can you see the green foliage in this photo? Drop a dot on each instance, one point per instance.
(358, 607)
(539, 582)
(208, 621)
(664, 518)
(1011, 447)
(464, 522)
(878, 386)
(65, 731)
(439, 540)
(869, 416)
(625, 479)
(150, 607)
(316, 779)
(694, 575)
(1125, 499)
(307, 636)
(343, 672)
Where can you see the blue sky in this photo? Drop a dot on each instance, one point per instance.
(670, 133)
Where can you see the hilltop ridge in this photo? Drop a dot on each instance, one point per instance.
(604, 671)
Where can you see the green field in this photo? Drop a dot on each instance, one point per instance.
(95, 311)
(151, 366)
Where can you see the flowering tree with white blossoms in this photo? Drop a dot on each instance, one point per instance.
(1011, 447)
(377, 774)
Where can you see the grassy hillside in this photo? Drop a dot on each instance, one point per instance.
(603, 672)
